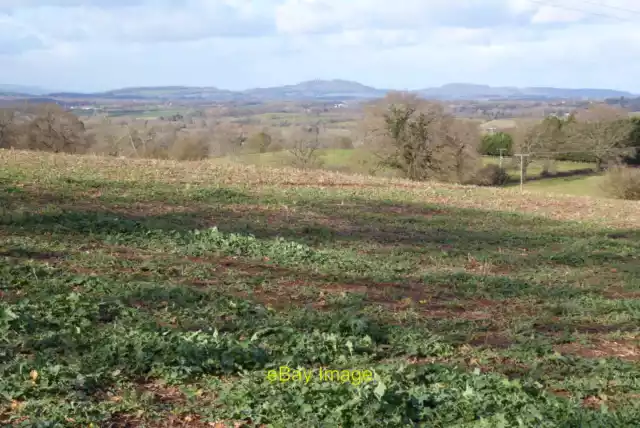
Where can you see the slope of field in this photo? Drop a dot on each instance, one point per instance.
(362, 162)
(151, 293)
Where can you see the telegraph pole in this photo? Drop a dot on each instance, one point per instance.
(501, 150)
(522, 156)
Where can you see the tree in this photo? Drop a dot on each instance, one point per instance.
(633, 158)
(546, 139)
(492, 143)
(259, 142)
(603, 131)
(463, 138)
(228, 138)
(417, 137)
(189, 147)
(56, 130)
(7, 128)
(304, 145)
(344, 142)
(142, 139)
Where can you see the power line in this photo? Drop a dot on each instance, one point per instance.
(623, 9)
(588, 12)
(619, 150)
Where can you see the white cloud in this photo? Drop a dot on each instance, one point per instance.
(243, 43)
(551, 14)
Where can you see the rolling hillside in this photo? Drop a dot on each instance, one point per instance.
(335, 90)
(166, 294)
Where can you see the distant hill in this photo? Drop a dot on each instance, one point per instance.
(462, 91)
(326, 90)
(315, 89)
(23, 90)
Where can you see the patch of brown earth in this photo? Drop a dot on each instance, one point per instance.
(592, 402)
(619, 293)
(625, 350)
(32, 255)
(491, 340)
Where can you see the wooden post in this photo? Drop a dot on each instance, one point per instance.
(501, 150)
(522, 156)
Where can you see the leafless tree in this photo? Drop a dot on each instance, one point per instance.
(304, 145)
(56, 130)
(603, 131)
(544, 139)
(463, 138)
(7, 127)
(228, 138)
(259, 142)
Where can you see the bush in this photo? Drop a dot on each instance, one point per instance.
(634, 143)
(491, 144)
(584, 157)
(189, 148)
(623, 183)
(259, 143)
(344, 143)
(490, 175)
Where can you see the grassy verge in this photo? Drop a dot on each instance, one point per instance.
(162, 294)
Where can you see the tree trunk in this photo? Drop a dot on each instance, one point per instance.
(599, 163)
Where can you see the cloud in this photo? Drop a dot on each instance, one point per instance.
(16, 38)
(244, 43)
(6, 5)
(144, 21)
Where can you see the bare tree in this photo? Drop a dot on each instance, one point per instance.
(304, 145)
(259, 142)
(7, 127)
(545, 139)
(463, 138)
(190, 147)
(228, 138)
(56, 130)
(603, 131)
(141, 139)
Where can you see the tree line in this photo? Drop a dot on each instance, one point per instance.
(418, 138)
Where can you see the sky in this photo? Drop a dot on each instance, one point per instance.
(95, 45)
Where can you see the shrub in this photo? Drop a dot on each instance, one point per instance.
(491, 144)
(634, 143)
(344, 143)
(189, 148)
(490, 175)
(259, 143)
(623, 183)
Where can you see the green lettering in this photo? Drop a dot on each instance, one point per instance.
(284, 374)
(297, 375)
(329, 374)
(272, 376)
(356, 377)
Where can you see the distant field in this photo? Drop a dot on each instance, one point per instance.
(360, 162)
(576, 185)
(150, 293)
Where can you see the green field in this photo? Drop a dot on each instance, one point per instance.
(360, 162)
(155, 293)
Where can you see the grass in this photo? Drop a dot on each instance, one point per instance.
(151, 293)
(360, 162)
(579, 185)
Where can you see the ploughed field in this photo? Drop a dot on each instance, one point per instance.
(150, 293)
